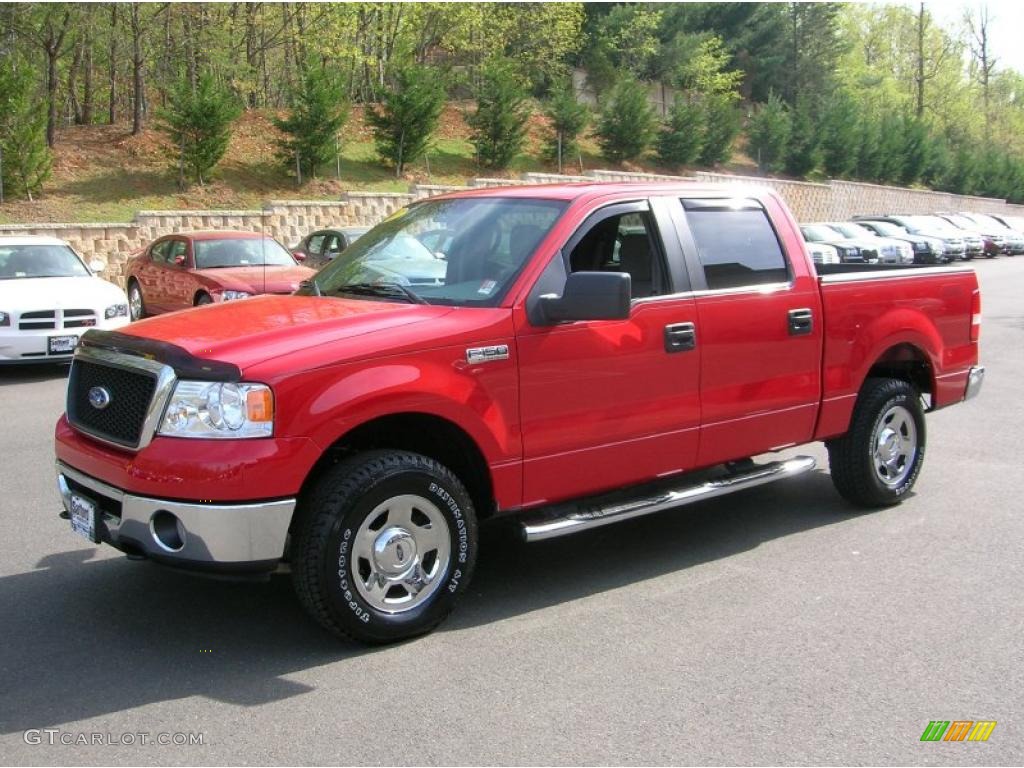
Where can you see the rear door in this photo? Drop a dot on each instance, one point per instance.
(611, 402)
(759, 327)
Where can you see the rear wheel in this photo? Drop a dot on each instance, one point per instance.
(136, 305)
(383, 546)
(878, 460)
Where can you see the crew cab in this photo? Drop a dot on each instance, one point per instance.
(591, 353)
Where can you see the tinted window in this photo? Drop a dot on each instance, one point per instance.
(240, 252)
(315, 244)
(736, 244)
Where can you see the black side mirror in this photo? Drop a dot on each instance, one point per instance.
(589, 296)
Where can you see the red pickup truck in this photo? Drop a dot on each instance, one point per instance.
(568, 355)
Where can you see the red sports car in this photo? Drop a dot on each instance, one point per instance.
(193, 268)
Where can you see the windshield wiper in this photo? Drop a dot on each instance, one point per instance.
(391, 290)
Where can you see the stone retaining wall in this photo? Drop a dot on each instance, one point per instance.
(290, 220)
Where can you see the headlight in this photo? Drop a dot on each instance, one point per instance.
(5, 318)
(116, 310)
(232, 295)
(212, 410)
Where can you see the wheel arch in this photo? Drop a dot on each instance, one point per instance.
(424, 433)
(907, 362)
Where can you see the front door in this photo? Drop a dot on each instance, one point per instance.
(609, 403)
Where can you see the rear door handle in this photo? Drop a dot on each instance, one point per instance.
(680, 337)
(801, 322)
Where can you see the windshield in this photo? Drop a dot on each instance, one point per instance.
(818, 232)
(234, 252)
(852, 230)
(461, 252)
(961, 221)
(987, 221)
(934, 223)
(885, 228)
(17, 261)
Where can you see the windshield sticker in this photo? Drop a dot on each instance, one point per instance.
(487, 287)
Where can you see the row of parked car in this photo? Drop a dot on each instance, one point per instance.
(49, 296)
(914, 238)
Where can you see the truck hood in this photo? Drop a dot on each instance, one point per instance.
(270, 279)
(250, 331)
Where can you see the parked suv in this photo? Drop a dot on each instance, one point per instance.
(927, 250)
(953, 243)
(993, 243)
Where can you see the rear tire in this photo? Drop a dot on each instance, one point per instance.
(878, 460)
(383, 546)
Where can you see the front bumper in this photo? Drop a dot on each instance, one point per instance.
(231, 538)
(32, 346)
(975, 378)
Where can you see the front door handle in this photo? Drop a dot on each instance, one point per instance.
(801, 322)
(680, 337)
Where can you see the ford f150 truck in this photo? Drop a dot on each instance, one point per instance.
(570, 355)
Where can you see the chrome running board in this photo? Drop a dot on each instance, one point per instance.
(571, 518)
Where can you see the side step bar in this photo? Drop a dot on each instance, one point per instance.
(580, 517)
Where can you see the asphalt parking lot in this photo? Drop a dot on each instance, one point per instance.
(773, 626)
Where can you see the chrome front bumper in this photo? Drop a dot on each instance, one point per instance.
(203, 536)
(975, 378)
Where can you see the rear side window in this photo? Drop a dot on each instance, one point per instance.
(736, 243)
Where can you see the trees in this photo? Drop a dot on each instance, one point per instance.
(768, 134)
(626, 127)
(723, 121)
(198, 123)
(313, 125)
(407, 115)
(803, 153)
(682, 136)
(499, 122)
(25, 152)
(840, 136)
(568, 120)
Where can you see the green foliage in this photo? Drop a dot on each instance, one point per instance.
(314, 123)
(407, 116)
(722, 120)
(916, 150)
(890, 148)
(803, 153)
(568, 119)
(26, 156)
(768, 134)
(706, 72)
(499, 123)
(626, 127)
(682, 137)
(198, 121)
(841, 137)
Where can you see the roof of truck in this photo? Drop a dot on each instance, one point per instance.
(589, 189)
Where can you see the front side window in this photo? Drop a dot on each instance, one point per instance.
(461, 252)
(24, 261)
(625, 242)
(736, 243)
(240, 252)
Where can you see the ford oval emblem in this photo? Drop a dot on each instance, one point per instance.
(99, 398)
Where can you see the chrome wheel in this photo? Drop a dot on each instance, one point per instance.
(894, 445)
(401, 553)
(135, 302)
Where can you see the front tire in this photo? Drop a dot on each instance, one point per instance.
(136, 304)
(878, 460)
(384, 545)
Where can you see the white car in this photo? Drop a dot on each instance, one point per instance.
(49, 298)
(823, 254)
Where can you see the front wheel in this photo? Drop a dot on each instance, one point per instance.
(136, 305)
(879, 458)
(383, 546)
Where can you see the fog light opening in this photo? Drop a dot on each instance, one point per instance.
(167, 530)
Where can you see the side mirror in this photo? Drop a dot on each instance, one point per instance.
(299, 256)
(589, 296)
(97, 266)
(180, 261)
